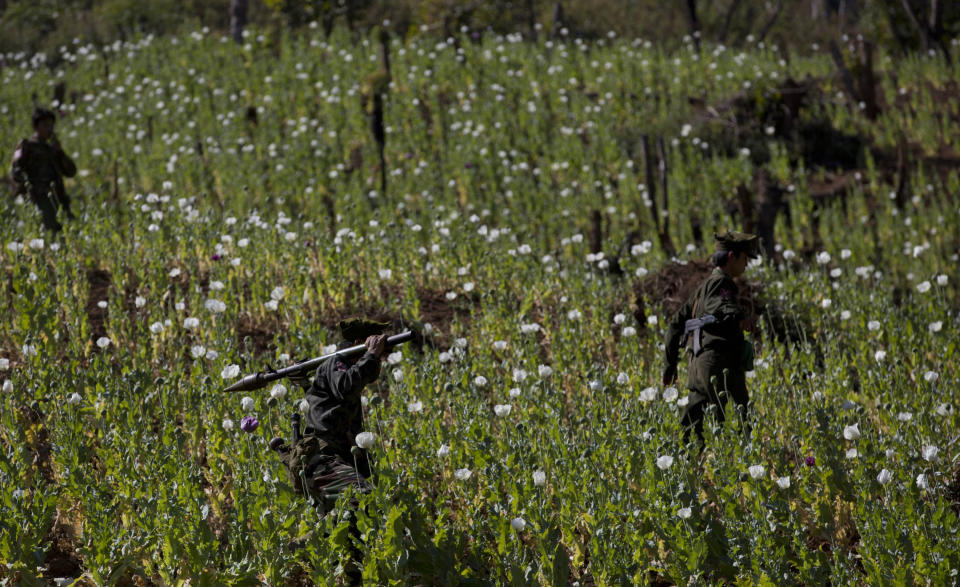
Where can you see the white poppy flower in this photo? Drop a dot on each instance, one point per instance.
(756, 471)
(852, 432)
(415, 407)
(502, 410)
(103, 342)
(929, 452)
(230, 371)
(191, 323)
(684, 513)
(366, 440)
(783, 482)
(227, 424)
(545, 370)
(500, 345)
(278, 392)
(629, 331)
(215, 306)
(670, 394)
(539, 478)
(922, 481)
(648, 395)
(884, 477)
(518, 524)
(852, 453)
(74, 398)
(462, 474)
(664, 462)
(443, 451)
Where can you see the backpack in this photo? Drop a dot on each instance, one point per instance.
(298, 457)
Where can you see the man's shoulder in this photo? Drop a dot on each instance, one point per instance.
(720, 284)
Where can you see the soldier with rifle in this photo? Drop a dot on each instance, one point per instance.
(38, 168)
(711, 324)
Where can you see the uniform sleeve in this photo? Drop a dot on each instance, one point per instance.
(65, 164)
(18, 172)
(348, 382)
(671, 352)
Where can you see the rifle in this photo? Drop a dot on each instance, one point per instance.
(261, 379)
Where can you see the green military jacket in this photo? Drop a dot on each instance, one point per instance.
(334, 398)
(40, 166)
(716, 296)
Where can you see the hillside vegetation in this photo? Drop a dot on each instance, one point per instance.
(545, 207)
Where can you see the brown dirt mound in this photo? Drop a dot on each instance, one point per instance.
(99, 281)
(668, 289)
(61, 558)
(255, 337)
(435, 309)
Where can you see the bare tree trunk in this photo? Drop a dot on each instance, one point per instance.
(915, 21)
(238, 19)
(844, 71)
(651, 183)
(868, 82)
(694, 23)
(770, 21)
(665, 242)
(727, 18)
(532, 20)
(557, 20)
(936, 18)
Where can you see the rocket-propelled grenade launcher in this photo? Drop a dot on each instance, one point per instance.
(261, 379)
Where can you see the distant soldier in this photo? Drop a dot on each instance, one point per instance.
(39, 166)
(711, 324)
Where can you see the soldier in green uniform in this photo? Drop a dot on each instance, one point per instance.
(326, 460)
(39, 166)
(334, 418)
(711, 324)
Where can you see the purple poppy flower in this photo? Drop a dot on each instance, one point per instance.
(475, 35)
(468, 165)
(249, 424)
(215, 258)
(409, 155)
(810, 461)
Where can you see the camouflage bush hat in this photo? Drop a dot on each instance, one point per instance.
(736, 242)
(360, 328)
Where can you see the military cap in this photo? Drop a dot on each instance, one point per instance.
(360, 328)
(736, 242)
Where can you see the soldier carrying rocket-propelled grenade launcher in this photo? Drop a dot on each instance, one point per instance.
(323, 460)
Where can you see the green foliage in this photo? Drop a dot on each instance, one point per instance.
(227, 193)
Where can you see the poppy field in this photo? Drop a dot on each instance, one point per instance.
(547, 205)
